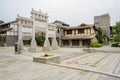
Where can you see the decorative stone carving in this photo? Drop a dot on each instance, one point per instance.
(20, 46)
(38, 15)
(33, 42)
(33, 45)
(46, 45)
(25, 22)
(41, 20)
(52, 28)
(20, 41)
(54, 44)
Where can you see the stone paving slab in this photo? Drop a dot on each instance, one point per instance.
(101, 63)
(21, 69)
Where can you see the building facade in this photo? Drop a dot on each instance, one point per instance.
(9, 33)
(1, 21)
(78, 36)
(61, 26)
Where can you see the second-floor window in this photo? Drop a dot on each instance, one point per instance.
(69, 31)
(80, 31)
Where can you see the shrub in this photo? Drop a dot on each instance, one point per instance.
(96, 44)
(116, 39)
(115, 44)
(40, 40)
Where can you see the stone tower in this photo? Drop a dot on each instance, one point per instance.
(103, 21)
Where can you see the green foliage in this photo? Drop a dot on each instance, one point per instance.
(116, 31)
(40, 40)
(106, 37)
(1, 31)
(116, 38)
(115, 44)
(101, 37)
(96, 44)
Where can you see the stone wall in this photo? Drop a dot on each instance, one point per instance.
(103, 21)
(10, 40)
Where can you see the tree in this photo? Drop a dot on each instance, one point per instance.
(1, 31)
(100, 35)
(102, 38)
(39, 39)
(116, 30)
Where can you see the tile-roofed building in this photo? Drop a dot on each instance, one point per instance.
(1, 21)
(9, 33)
(79, 36)
(60, 22)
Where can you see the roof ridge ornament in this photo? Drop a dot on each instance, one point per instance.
(83, 24)
(40, 11)
(18, 15)
(32, 9)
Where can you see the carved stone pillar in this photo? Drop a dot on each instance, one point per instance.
(33, 44)
(46, 46)
(54, 44)
(20, 46)
(20, 40)
(54, 41)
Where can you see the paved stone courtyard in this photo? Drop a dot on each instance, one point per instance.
(80, 66)
(108, 64)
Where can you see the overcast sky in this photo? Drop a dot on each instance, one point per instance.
(73, 12)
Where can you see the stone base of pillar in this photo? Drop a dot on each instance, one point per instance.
(33, 46)
(20, 46)
(46, 45)
(54, 44)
